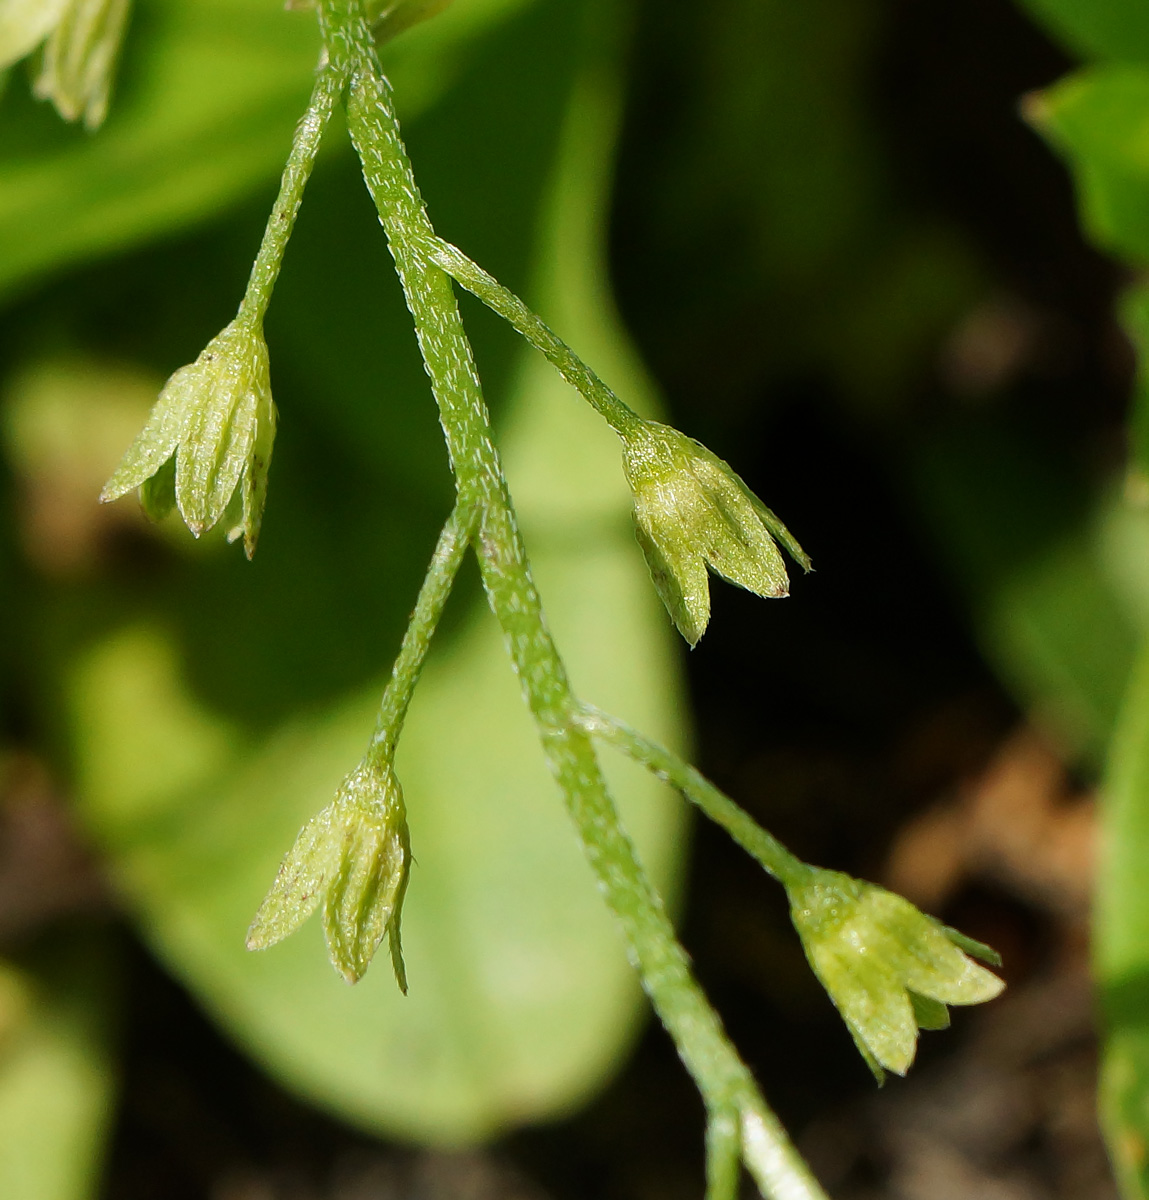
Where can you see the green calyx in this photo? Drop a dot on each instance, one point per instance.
(354, 857)
(207, 444)
(692, 511)
(888, 967)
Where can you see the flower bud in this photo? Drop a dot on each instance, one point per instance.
(354, 856)
(691, 511)
(79, 55)
(888, 968)
(207, 444)
(24, 24)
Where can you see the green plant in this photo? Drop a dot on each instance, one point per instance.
(1096, 118)
(207, 448)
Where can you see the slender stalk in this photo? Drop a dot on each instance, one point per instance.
(663, 967)
(620, 416)
(775, 859)
(444, 566)
(723, 1154)
(304, 148)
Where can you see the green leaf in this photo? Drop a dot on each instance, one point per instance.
(1051, 575)
(56, 1079)
(1116, 29)
(505, 936)
(1133, 310)
(1099, 119)
(1121, 940)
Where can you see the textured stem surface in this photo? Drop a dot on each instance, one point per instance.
(662, 964)
(774, 857)
(621, 417)
(441, 572)
(304, 149)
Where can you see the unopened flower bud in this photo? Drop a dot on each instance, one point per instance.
(888, 967)
(207, 444)
(24, 24)
(691, 511)
(83, 42)
(354, 857)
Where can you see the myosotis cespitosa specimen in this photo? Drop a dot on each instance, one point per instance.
(206, 451)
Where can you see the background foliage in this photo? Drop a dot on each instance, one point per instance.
(855, 270)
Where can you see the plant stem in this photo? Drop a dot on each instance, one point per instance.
(775, 859)
(723, 1078)
(621, 417)
(304, 148)
(444, 566)
(723, 1154)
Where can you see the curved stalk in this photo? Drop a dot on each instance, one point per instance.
(444, 566)
(773, 857)
(724, 1080)
(468, 274)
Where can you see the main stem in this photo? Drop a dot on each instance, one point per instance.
(621, 417)
(680, 1003)
(770, 853)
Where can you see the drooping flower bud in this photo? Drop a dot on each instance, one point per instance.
(354, 857)
(80, 58)
(24, 24)
(691, 511)
(888, 967)
(83, 42)
(208, 440)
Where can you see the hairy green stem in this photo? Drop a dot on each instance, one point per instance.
(620, 416)
(775, 859)
(304, 148)
(663, 967)
(723, 1154)
(444, 566)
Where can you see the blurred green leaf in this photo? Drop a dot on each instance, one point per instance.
(1045, 568)
(195, 788)
(1062, 641)
(1133, 310)
(1121, 941)
(203, 112)
(205, 106)
(56, 1083)
(1117, 29)
(506, 938)
(1099, 119)
(770, 240)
